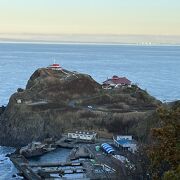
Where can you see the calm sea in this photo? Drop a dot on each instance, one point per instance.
(154, 68)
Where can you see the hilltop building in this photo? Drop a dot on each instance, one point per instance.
(116, 81)
(55, 67)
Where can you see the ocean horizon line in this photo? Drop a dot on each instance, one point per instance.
(85, 43)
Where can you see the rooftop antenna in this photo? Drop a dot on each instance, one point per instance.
(54, 61)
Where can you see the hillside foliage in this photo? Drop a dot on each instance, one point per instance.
(165, 152)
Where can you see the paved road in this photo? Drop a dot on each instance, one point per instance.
(72, 104)
(37, 103)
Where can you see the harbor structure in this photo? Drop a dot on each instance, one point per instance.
(107, 148)
(82, 135)
(125, 143)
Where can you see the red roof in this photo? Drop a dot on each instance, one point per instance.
(118, 80)
(55, 66)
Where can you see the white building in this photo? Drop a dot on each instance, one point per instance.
(120, 137)
(126, 143)
(82, 135)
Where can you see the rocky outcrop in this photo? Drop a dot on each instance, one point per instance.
(56, 101)
(31, 113)
(2, 109)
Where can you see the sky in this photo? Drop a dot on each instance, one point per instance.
(90, 17)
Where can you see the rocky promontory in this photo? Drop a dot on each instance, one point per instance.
(58, 101)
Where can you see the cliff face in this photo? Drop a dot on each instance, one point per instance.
(56, 101)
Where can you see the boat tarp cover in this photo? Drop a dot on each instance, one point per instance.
(107, 148)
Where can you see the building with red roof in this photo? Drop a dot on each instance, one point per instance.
(55, 67)
(116, 81)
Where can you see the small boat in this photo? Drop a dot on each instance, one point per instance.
(36, 149)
